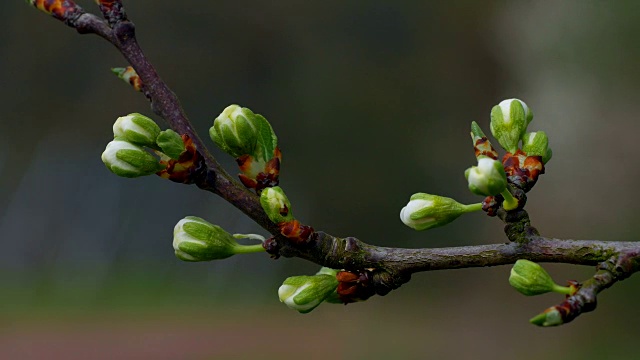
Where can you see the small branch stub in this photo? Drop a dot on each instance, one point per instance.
(129, 75)
(112, 10)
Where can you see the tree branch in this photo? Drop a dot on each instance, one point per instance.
(368, 269)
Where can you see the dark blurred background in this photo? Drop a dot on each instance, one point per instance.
(372, 102)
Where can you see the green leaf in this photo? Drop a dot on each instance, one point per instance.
(267, 140)
(170, 142)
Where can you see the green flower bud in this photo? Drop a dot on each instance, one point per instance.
(128, 160)
(488, 178)
(170, 142)
(238, 131)
(332, 298)
(195, 239)
(276, 205)
(136, 129)
(426, 211)
(535, 143)
(509, 121)
(531, 279)
(305, 293)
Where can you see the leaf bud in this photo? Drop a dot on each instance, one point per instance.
(481, 145)
(550, 317)
(129, 76)
(171, 143)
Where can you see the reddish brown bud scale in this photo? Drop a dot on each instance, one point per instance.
(108, 4)
(187, 168)
(247, 181)
(484, 147)
(273, 165)
(112, 10)
(295, 231)
(244, 162)
(129, 75)
(522, 170)
(568, 310)
(353, 287)
(269, 177)
(272, 247)
(60, 9)
(534, 166)
(490, 206)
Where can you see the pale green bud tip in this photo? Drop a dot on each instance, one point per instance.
(488, 178)
(170, 142)
(118, 71)
(276, 204)
(476, 131)
(129, 160)
(137, 129)
(327, 271)
(550, 317)
(305, 293)
(195, 239)
(530, 278)
(507, 107)
(535, 143)
(234, 131)
(426, 211)
(509, 121)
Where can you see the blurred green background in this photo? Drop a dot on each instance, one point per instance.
(372, 102)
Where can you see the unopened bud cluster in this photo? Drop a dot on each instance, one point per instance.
(128, 154)
(249, 138)
(509, 122)
(495, 179)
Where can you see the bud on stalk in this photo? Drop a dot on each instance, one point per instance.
(195, 239)
(305, 293)
(531, 279)
(426, 211)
